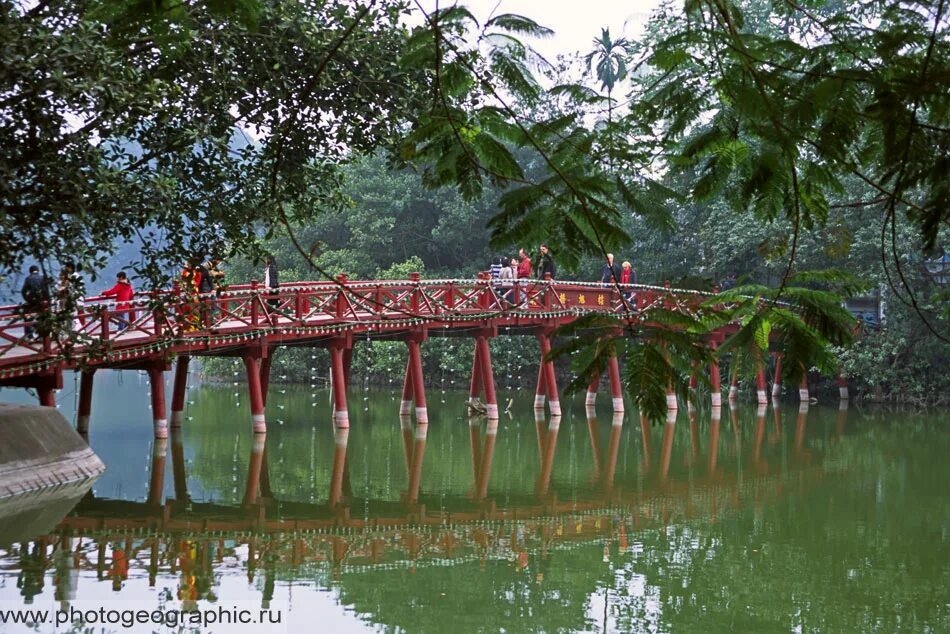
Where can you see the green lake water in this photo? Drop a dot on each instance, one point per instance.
(763, 520)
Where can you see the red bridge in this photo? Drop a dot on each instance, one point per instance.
(249, 321)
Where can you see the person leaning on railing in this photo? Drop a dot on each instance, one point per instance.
(123, 293)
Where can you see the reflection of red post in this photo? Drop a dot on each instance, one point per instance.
(85, 401)
(491, 433)
(714, 439)
(252, 487)
(593, 434)
(475, 439)
(800, 429)
(178, 391)
(613, 449)
(841, 419)
(340, 437)
(616, 391)
(539, 426)
(759, 434)
(341, 417)
(156, 482)
(415, 472)
(405, 424)
(253, 367)
(777, 378)
(160, 423)
(547, 460)
(693, 435)
(178, 466)
(645, 438)
(667, 450)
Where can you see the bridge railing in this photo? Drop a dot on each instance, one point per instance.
(242, 307)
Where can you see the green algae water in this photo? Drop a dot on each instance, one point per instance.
(825, 519)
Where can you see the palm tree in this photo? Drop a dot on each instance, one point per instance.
(611, 69)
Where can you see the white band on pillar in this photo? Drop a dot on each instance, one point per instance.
(405, 407)
(843, 393)
(555, 422)
(161, 427)
(555, 408)
(161, 448)
(803, 395)
(491, 410)
(177, 418)
(761, 395)
(590, 411)
(539, 415)
(716, 412)
(422, 430)
(760, 410)
(618, 404)
(591, 398)
(422, 414)
(671, 403)
(341, 418)
(803, 407)
(259, 423)
(716, 399)
(492, 428)
(776, 389)
(617, 419)
(258, 444)
(538, 401)
(670, 416)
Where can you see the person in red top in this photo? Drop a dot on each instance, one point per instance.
(524, 266)
(123, 293)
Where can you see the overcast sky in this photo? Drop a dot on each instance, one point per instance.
(575, 22)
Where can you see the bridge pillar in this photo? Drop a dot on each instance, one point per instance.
(541, 389)
(258, 421)
(475, 387)
(265, 375)
(179, 390)
(760, 393)
(405, 407)
(591, 398)
(616, 391)
(733, 379)
(488, 379)
(341, 417)
(715, 389)
(84, 409)
(550, 379)
(777, 379)
(418, 383)
(803, 387)
(842, 387)
(156, 376)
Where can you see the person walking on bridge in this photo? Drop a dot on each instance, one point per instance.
(270, 281)
(611, 272)
(123, 293)
(524, 265)
(34, 293)
(546, 263)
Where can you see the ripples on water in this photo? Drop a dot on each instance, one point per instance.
(825, 520)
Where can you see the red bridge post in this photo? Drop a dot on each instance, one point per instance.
(258, 420)
(550, 379)
(405, 407)
(178, 390)
(488, 380)
(715, 389)
(760, 393)
(414, 369)
(803, 387)
(475, 387)
(156, 376)
(777, 378)
(84, 409)
(341, 417)
(591, 398)
(616, 391)
(733, 379)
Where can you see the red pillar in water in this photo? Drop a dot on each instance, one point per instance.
(777, 378)
(418, 385)
(179, 390)
(715, 388)
(616, 391)
(760, 383)
(258, 420)
(475, 387)
(488, 379)
(85, 401)
(550, 380)
(405, 408)
(160, 422)
(592, 388)
(341, 417)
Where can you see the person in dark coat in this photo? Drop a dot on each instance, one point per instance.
(546, 263)
(611, 272)
(34, 293)
(270, 280)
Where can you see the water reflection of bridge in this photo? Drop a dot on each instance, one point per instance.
(177, 535)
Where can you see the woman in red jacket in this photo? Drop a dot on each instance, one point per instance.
(123, 293)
